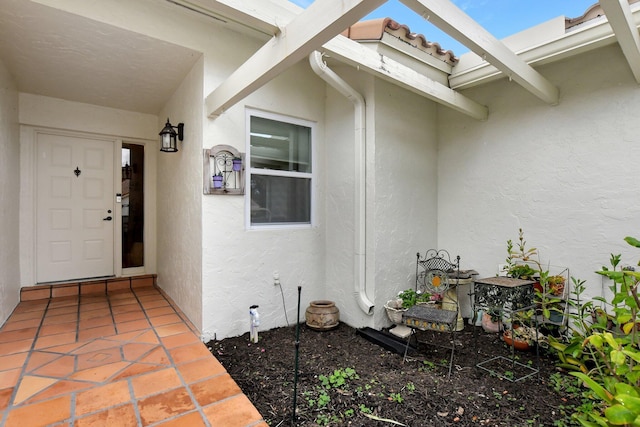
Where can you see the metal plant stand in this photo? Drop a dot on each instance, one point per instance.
(506, 296)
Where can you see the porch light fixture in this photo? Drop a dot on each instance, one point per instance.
(168, 136)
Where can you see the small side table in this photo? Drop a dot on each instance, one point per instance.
(506, 295)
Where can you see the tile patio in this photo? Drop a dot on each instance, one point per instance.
(126, 357)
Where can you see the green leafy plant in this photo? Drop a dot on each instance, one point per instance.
(411, 297)
(524, 263)
(396, 397)
(338, 378)
(608, 361)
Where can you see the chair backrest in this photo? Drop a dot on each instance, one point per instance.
(434, 271)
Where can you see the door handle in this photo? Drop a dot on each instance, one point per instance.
(107, 218)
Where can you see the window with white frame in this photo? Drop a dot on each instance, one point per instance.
(280, 170)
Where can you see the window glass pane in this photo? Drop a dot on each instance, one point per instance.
(276, 199)
(132, 191)
(280, 146)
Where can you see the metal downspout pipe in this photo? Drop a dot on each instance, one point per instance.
(325, 73)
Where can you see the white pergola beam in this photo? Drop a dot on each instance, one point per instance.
(621, 20)
(307, 32)
(348, 51)
(453, 21)
(385, 68)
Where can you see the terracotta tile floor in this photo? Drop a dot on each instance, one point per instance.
(123, 359)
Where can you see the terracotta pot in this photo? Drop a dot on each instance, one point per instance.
(322, 315)
(517, 343)
(489, 325)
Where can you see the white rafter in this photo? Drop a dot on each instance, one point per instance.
(353, 53)
(621, 20)
(449, 18)
(305, 33)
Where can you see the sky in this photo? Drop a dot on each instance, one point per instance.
(501, 18)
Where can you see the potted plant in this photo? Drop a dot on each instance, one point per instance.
(518, 260)
(236, 164)
(555, 285)
(492, 321)
(523, 263)
(522, 337)
(217, 180)
(405, 300)
(522, 271)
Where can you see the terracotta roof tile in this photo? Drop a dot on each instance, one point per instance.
(592, 12)
(375, 29)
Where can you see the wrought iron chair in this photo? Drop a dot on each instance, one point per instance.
(436, 275)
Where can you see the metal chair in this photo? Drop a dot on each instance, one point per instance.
(436, 275)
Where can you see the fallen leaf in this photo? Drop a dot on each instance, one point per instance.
(443, 414)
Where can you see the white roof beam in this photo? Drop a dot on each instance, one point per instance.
(305, 33)
(621, 20)
(385, 68)
(449, 18)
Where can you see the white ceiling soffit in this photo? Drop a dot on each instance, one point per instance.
(265, 16)
(621, 20)
(305, 33)
(53, 53)
(449, 18)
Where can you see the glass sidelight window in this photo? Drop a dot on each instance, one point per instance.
(132, 205)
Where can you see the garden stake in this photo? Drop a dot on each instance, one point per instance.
(295, 375)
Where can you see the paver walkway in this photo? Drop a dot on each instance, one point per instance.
(127, 358)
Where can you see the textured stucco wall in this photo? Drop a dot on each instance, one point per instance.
(238, 264)
(405, 204)
(340, 180)
(179, 200)
(566, 174)
(9, 195)
(401, 192)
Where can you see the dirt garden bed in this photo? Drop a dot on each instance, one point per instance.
(346, 380)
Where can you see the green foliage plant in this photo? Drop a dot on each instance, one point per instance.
(572, 355)
(524, 263)
(608, 362)
(410, 298)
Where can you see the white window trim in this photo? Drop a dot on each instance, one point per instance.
(313, 175)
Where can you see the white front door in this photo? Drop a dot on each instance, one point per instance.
(75, 208)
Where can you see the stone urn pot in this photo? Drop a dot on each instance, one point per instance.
(322, 315)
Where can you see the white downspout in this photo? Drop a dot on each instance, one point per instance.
(321, 69)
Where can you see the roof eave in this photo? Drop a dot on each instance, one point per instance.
(590, 35)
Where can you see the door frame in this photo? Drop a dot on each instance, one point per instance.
(28, 201)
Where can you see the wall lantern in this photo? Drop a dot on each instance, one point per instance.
(168, 136)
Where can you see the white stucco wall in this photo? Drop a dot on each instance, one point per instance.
(341, 196)
(401, 218)
(9, 195)
(57, 113)
(405, 204)
(179, 200)
(566, 174)
(238, 264)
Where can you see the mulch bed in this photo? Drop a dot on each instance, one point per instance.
(385, 390)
